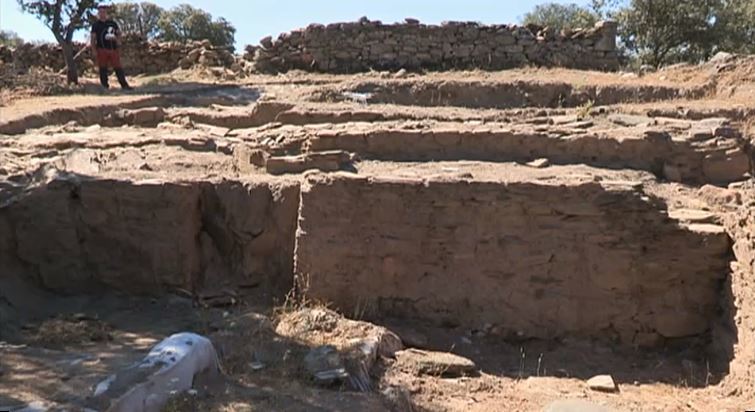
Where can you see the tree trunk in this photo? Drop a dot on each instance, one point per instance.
(71, 70)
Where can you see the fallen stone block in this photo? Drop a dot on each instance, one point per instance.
(539, 163)
(692, 216)
(602, 383)
(435, 363)
(328, 161)
(629, 120)
(147, 117)
(170, 367)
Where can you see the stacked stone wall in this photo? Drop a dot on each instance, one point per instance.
(362, 46)
(367, 45)
(137, 55)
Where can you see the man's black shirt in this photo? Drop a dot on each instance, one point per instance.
(105, 31)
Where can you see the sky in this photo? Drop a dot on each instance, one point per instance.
(255, 19)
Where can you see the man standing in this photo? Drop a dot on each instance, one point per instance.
(105, 39)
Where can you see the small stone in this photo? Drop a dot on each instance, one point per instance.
(602, 383)
(722, 57)
(325, 364)
(400, 74)
(629, 120)
(692, 216)
(699, 135)
(582, 124)
(565, 119)
(267, 42)
(726, 131)
(707, 229)
(646, 68)
(539, 163)
(257, 365)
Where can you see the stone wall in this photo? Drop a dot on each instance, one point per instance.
(532, 259)
(363, 46)
(137, 55)
(366, 45)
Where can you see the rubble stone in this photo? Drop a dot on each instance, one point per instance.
(138, 56)
(602, 383)
(444, 364)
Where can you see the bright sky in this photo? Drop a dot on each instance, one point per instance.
(255, 19)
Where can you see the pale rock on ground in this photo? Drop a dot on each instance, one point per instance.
(435, 363)
(170, 367)
(602, 383)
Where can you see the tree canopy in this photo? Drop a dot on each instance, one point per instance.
(561, 16)
(138, 18)
(185, 23)
(63, 18)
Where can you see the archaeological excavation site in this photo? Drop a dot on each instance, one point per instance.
(408, 229)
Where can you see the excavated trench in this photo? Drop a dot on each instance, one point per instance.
(146, 111)
(504, 95)
(569, 252)
(438, 225)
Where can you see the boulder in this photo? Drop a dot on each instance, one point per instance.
(444, 364)
(602, 383)
(539, 163)
(170, 367)
(327, 161)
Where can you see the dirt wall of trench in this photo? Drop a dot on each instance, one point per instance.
(79, 235)
(534, 260)
(506, 95)
(735, 337)
(721, 160)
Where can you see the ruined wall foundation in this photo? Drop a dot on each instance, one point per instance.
(367, 45)
(137, 55)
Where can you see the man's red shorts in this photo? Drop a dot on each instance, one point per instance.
(108, 58)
